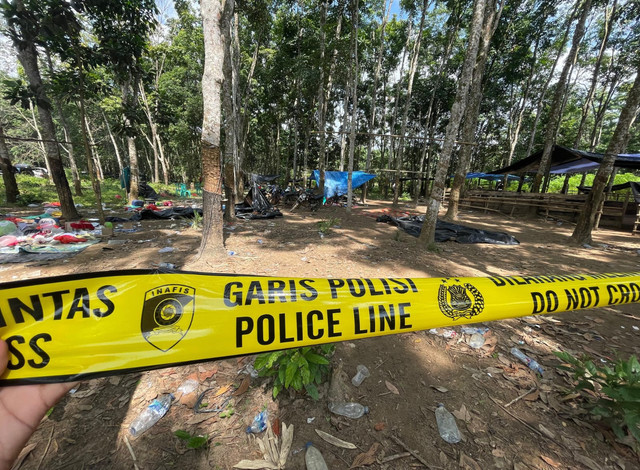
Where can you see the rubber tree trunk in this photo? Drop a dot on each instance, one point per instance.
(28, 58)
(230, 123)
(354, 102)
(8, 176)
(473, 110)
(587, 219)
(428, 233)
(413, 63)
(215, 47)
(374, 91)
(558, 98)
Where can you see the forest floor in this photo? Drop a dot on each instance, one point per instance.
(546, 429)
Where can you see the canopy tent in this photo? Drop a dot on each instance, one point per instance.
(490, 176)
(335, 182)
(634, 185)
(565, 160)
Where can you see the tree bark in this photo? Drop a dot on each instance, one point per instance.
(354, 102)
(428, 233)
(473, 109)
(374, 92)
(230, 121)
(558, 97)
(113, 141)
(8, 176)
(413, 63)
(28, 58)
(215, 47)
(587, 218)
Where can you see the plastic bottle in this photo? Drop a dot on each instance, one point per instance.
(361, 374)
(313, 459)
(350, 410)
(476, 341)
(151, 415)
(469, 330)
(447, 426)
(532, 364)
(259, 423)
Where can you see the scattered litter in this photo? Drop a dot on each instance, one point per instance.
(635, 327)
(231, 253)
(166, 249)
(260, 242)
(361, 374)
(532, 364)
(392, 388)
(444, 332)
(311, 420)
(334, 440)
(275, 451)
(259, 423)
(447, 426)
(350, 410)
(440, 389)
(115, 241)
(313, 459)
(587, 246)
(151, 415)
(476, 341)
(166, 266)
(470, 330)
(188, 386)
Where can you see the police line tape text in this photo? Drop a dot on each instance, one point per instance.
(585, 297)
(268, 329)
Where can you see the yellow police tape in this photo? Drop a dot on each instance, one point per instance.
(88, 325)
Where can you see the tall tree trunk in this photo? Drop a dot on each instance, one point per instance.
(41, 142)
(354, 101)
(8, 176)
(413, 63)
(154, 141)
(428, 233)
(230, 121)
(129, 97)
(95, 183)
(113, 141)
(558, 97)
(374, 92)
(75, 175)
(345, 124)
(473, 109)
(215, 14)
(96, 155)
(586, 107)
(28, 58)
(587, 218)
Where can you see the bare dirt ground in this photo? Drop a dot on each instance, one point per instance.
(546, 429)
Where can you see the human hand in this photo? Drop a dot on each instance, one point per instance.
(22, 407)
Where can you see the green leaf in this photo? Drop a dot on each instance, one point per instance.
(290, 374)
(312, 390)
(197, 442)
(276, 390)
(182, 434)
(316, 359)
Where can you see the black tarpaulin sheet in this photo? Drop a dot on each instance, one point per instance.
(446, 231)
(261, 179)
(166, 214)
(256, 206)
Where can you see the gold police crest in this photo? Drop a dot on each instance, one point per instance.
(457, 300)
(167, 314)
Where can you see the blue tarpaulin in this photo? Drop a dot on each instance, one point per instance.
(490, 177)
(335, 182)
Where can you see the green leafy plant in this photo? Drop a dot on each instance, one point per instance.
(300, 369)
(197, 221)
(616, 390)
(193, 442)
(325, 226)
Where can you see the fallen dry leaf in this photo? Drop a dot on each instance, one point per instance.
(440, 389)
(23, 455)
(392, 388)
(550, 461)
(366, 458)
(222, 390)
(244, 386)
(379, 426)
(498, 453)
(334, 440)
(462, 414)
(533, 396)
(583, 459)
(467, 463)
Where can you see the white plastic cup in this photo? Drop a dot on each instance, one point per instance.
(361, 374)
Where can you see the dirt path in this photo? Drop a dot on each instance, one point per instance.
(544, 429)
